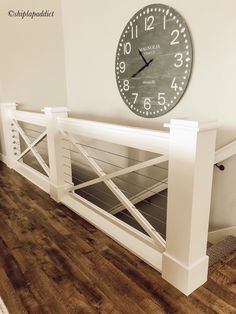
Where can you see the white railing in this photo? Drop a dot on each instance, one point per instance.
(225, 152)
(189, 147)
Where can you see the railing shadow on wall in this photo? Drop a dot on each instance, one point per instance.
(189, 148)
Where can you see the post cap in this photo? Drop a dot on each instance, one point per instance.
(197, 126)
(55, 109)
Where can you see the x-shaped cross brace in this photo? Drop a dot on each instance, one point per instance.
(31, 146)
(156, 237)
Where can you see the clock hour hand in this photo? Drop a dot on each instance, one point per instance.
(145, 61)
(142, 68)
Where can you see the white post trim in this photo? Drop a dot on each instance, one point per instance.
(192, 153)
(58, 155)
(9, 135)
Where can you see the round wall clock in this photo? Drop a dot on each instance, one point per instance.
(154, 60)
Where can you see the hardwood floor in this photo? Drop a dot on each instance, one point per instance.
(52, 261)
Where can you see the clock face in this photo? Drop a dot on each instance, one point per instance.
(154, 60)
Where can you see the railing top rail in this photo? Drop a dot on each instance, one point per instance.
(139, 138)
(29, 117)
(225, 152)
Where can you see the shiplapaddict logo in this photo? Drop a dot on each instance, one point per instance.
(30, 14)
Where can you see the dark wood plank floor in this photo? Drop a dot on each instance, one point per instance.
(52, 261)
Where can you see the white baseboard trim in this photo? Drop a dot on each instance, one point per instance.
(3, 309)
(133, 240)
(219, 235)
(33, 175)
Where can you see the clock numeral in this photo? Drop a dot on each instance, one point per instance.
(127, 48)
(175, 33)
(134, 32)
(147, 103)
(179, 59)
(126, 85)
(161, 99)
(174, 84)
(122, 67)
(164, 22)
(135, 97)
(149, 23)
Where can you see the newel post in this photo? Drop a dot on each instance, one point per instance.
(58, 154)
(9, 135)
(191, 160)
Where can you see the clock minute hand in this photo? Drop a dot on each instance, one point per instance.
(142, 68)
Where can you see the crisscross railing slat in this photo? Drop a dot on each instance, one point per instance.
(121, 172)
(34, 143)
(31, 147)
(156, 237)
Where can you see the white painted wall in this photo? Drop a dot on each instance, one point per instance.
(92, 30)
(32, 70)
(223, 211)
